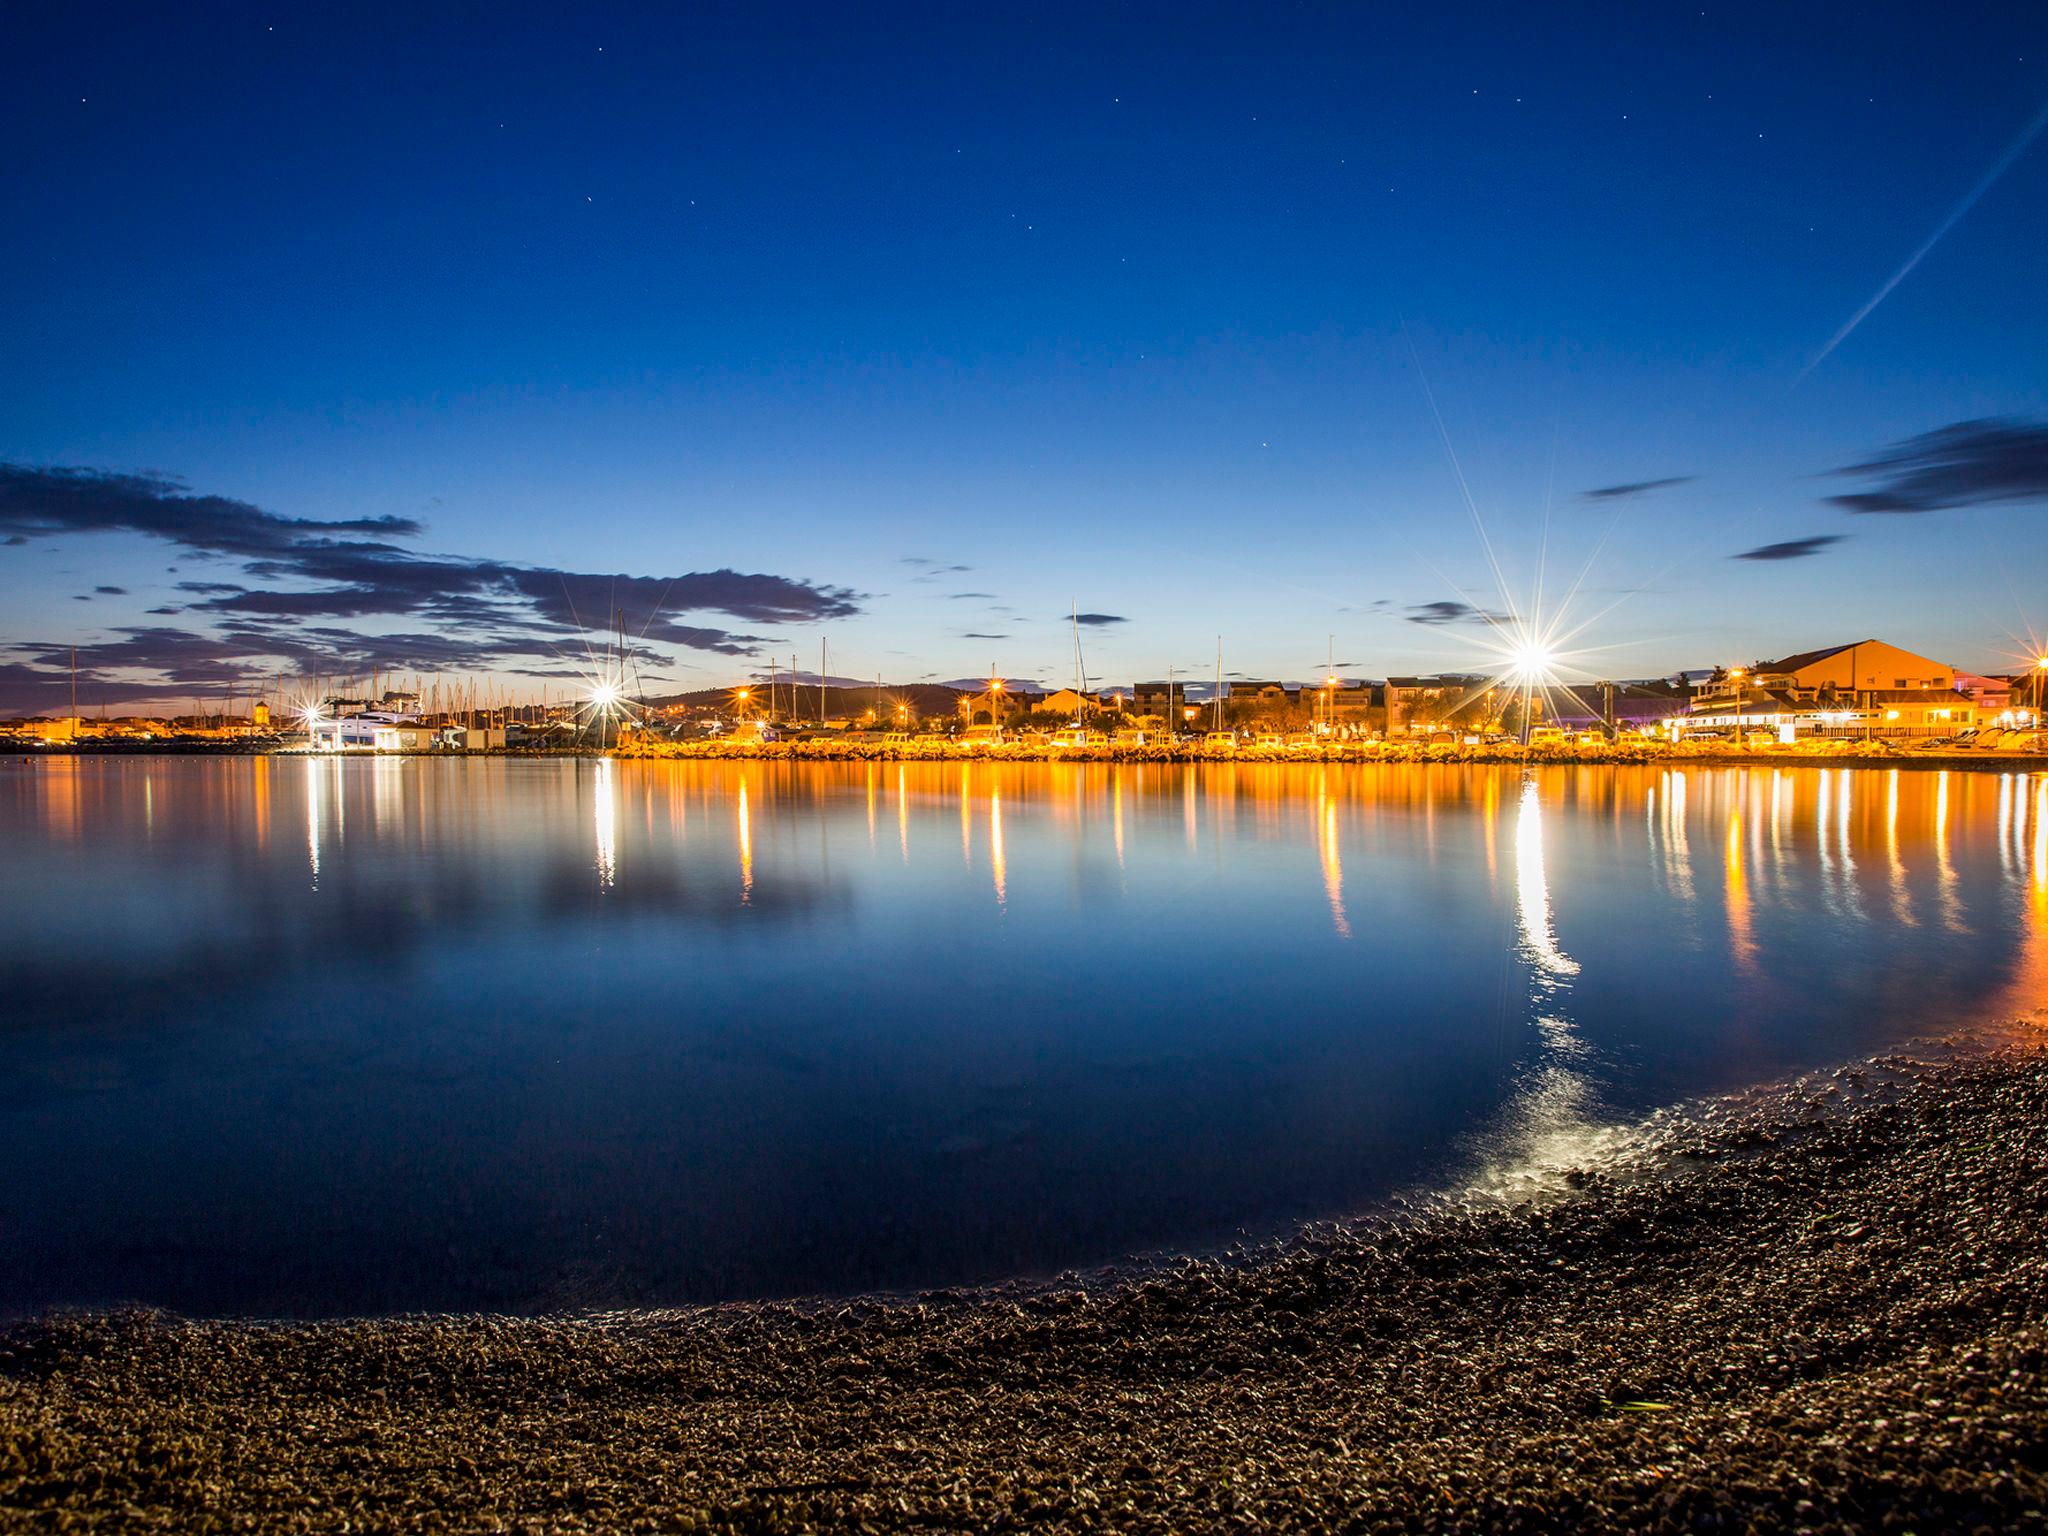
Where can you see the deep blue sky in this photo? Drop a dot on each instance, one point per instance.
(1135, 308)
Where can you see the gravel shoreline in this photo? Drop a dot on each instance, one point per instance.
(1827, 1315)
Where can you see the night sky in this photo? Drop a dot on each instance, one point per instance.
(347, 341)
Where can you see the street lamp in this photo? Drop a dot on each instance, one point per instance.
(2040, 677)
(1735, 677)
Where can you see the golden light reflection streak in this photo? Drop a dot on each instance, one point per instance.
(995, 844)
(2029, 988)
(1333, 868)
(966, 823)
(1116, 808)
(902, 816)
(1902, 905)
(746, 848)
(1741, 938)
(1187, 781)
(1489, 813)
(871, 807)
(607, 825)
(1951, 907)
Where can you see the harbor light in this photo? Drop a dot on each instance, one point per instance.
(1531, 662)
(604, 695)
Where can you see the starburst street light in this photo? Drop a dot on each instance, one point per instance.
(604, 696)
(1530, 663)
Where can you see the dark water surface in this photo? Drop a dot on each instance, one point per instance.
(316, 1036)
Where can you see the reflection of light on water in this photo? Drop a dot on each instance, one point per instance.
(2028, 992)
(1776, 848)
(607, 825)
(1187, 800)
(995, 842)
(1333, 869)
(1489, 818)
(2005, 821)
(1539, 940)
(871, 807)
(386, 786)
(259, 767)
(1671, 833)
(746, 848)
(1544, 1132)
(1951, 907)
(1902, 906)
(1116, 811)
(313, 819)
(902, 816)
(2041, 832)
(1547, 1128)
(966, 824)
(1740, 939)
(1831, 844)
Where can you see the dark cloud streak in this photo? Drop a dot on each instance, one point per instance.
(1636, 488)
(1791, 549)
(1985, 462)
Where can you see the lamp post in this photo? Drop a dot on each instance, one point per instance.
(1735, 677)
(2040, 677)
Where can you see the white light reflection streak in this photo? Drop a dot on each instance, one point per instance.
(1532, 890)
(607, 826)
(2041, 831)
(1951, 907)
(995, 844)
(313, 818)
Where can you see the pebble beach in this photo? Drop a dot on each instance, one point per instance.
(1820, 1309)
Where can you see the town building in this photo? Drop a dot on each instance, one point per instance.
(1865, 688)
(1167, 700)
(1422, 703)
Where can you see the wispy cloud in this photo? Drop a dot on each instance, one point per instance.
(1971, 463)
(1791, 549)
(1446, 610)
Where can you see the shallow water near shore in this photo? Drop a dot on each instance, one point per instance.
(318, 1036)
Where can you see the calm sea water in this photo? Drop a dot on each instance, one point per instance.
(292, 1036)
